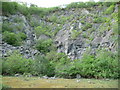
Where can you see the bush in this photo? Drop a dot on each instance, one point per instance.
(108, 4)
(5, 87)
(44, 45)
(83, 22)
(82, 5)
(33, 9)
(42, 66)
(99, 20)
(53, 18)
(9, 8)
(76, 5)
(15, 63)
(39, 30)
(11, 27)
(87, 26)
(85, 66)
(14, 39)
(60, 20)
(110, 10)
(43, 29)
(34, 23)
(22, 35)
(104, 65)
(23, 9)
(11, 38)
(60, 62)
(107, 64)
(18, 19)
(6, 26)
(67, 70)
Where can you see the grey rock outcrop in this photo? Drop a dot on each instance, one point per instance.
(74, 48)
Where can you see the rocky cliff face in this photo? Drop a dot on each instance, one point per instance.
(82, 30)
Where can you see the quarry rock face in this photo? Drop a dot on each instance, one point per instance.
(74, 48)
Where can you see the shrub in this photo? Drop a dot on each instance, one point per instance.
(18, 19)
(87, 26)
(33, 9)
(11, 38)
(53, 18)
(99, 20)
(5, 87)
(83, 22)
(14, 39)
(43, 67)
(49, 30)
(9, 8)
(104, 65)
(67, 70)
(34, 23)
(107, 64)
(110, 10)
(85, 35)
(60, 20)
(39, 30)
(108, 4)
(22, 35)
(15, 63)
(23, 9)
(18, 27)
(76, 5)
(85, 66)
(44, 45)
(43, 29)
(82, 5)
(60, 62)
(11, 27)
(6, 26)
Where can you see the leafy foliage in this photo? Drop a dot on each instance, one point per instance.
(59, 61)
(6, 26)
(44, 45)
(87, 26)
(110, 9)
(49, 30)
(99, 20)
(104, 65)
(14, 39)
(9, 8)
(60, 20)
(13, 7)
(42, 66)
(5, 87)
(81, 5)
(15, 63)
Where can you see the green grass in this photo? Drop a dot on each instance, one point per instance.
(36, 82)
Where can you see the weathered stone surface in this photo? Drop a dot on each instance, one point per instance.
(73, 48)
(43, 37)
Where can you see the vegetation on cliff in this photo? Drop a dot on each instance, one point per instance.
(102, 64)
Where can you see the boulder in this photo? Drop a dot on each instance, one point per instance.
(17, 75)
